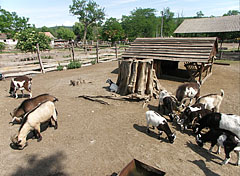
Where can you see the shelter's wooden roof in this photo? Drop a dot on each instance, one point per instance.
(173, 49)
(209, 25)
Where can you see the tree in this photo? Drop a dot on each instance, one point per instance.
(112, 30)
(141, 23)
(170, 23)
(78, 30)
(65, 33)
(88, 13)
(28, 39)
(232, 12)
(199, 14)
(11, 23)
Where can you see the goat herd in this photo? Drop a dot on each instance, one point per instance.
(224, 129)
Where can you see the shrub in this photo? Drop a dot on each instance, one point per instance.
(2, 46)
(59, 67)
(93, 62)
(74, 64)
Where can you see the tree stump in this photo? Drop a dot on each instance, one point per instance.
(138, 77)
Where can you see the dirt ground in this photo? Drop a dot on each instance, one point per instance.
(96, 139)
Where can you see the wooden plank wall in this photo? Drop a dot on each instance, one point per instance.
(172, 49)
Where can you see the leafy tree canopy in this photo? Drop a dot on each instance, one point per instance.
(141, 23)
(88, 13)
(65, 33)
(232, 12)
(28, 39)
(112, 30)
(199, 14)
(11, 23)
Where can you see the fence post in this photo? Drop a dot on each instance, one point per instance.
(40, 60)
(97, 50)
(116, 50)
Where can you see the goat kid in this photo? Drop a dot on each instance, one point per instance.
(20, 83)
(28, 105)
(167, 102)
(113, 87)
(156, 120)
(32, 120)
(217, 120)
(222, 138)
(211, 101)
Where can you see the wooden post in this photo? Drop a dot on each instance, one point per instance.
(220, 56)
(97, 50)
(72, 50)
(116, 50)
(40, 60)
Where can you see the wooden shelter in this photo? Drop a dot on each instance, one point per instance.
(148, 58)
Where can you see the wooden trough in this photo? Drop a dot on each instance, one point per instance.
(196, 53)
(137, 168)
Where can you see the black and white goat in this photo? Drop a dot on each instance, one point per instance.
(222, 138)
(20, 83)
(156, 120)
(28, 105)
(188, 91)
(112, 86)
(217, 120)
(191, 114)
(211, 101)
(167, 102)
(32, 120)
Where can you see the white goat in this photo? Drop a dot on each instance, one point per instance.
(156, 120)
(32, 121)
(211, 101)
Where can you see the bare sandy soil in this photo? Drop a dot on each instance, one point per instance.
(96, 139)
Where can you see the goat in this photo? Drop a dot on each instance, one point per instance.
(223, 138)
(20, 83)
(29, 104)
(217, 120)
(192, 114)
(160, 122)
(188, 90)
(32, 120)
(113, 87)
(211, 101)
(168, 102)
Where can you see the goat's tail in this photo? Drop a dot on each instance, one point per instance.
(222, 92)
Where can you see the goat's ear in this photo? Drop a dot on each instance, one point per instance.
(11, 114)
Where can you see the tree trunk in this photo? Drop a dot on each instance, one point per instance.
(137, 77)
(84, 38)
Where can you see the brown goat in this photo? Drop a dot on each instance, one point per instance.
(29, 104)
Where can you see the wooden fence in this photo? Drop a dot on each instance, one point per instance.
(28, 63)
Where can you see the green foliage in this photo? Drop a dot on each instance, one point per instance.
(112, 30)
(232, 12)
(2, 46)
(169, 23)
(199, 14)
(141, 23)
(88, 13)
(11, 23)
(74, 64)
(47, 57)
(93, 62)
(65, 33)
(28, 39)
(59, 67)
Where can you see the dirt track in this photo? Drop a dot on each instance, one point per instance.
(96, 139)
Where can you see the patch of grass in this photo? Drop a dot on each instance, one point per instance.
(59, 67)
(74, 64)
(47, 57)
(94, 61)
(66, 56)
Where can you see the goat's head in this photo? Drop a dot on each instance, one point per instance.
(109, 81)
(172, 137)
(20, 143)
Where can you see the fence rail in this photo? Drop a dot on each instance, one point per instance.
(27, 63)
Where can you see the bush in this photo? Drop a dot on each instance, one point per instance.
(93, 62)
(59, 67)
(2, 46)
(74, 64)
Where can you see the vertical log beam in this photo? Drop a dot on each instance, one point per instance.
(40, 60)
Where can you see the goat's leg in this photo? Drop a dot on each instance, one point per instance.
(148, 131)
(22, 93)
(38, 132)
